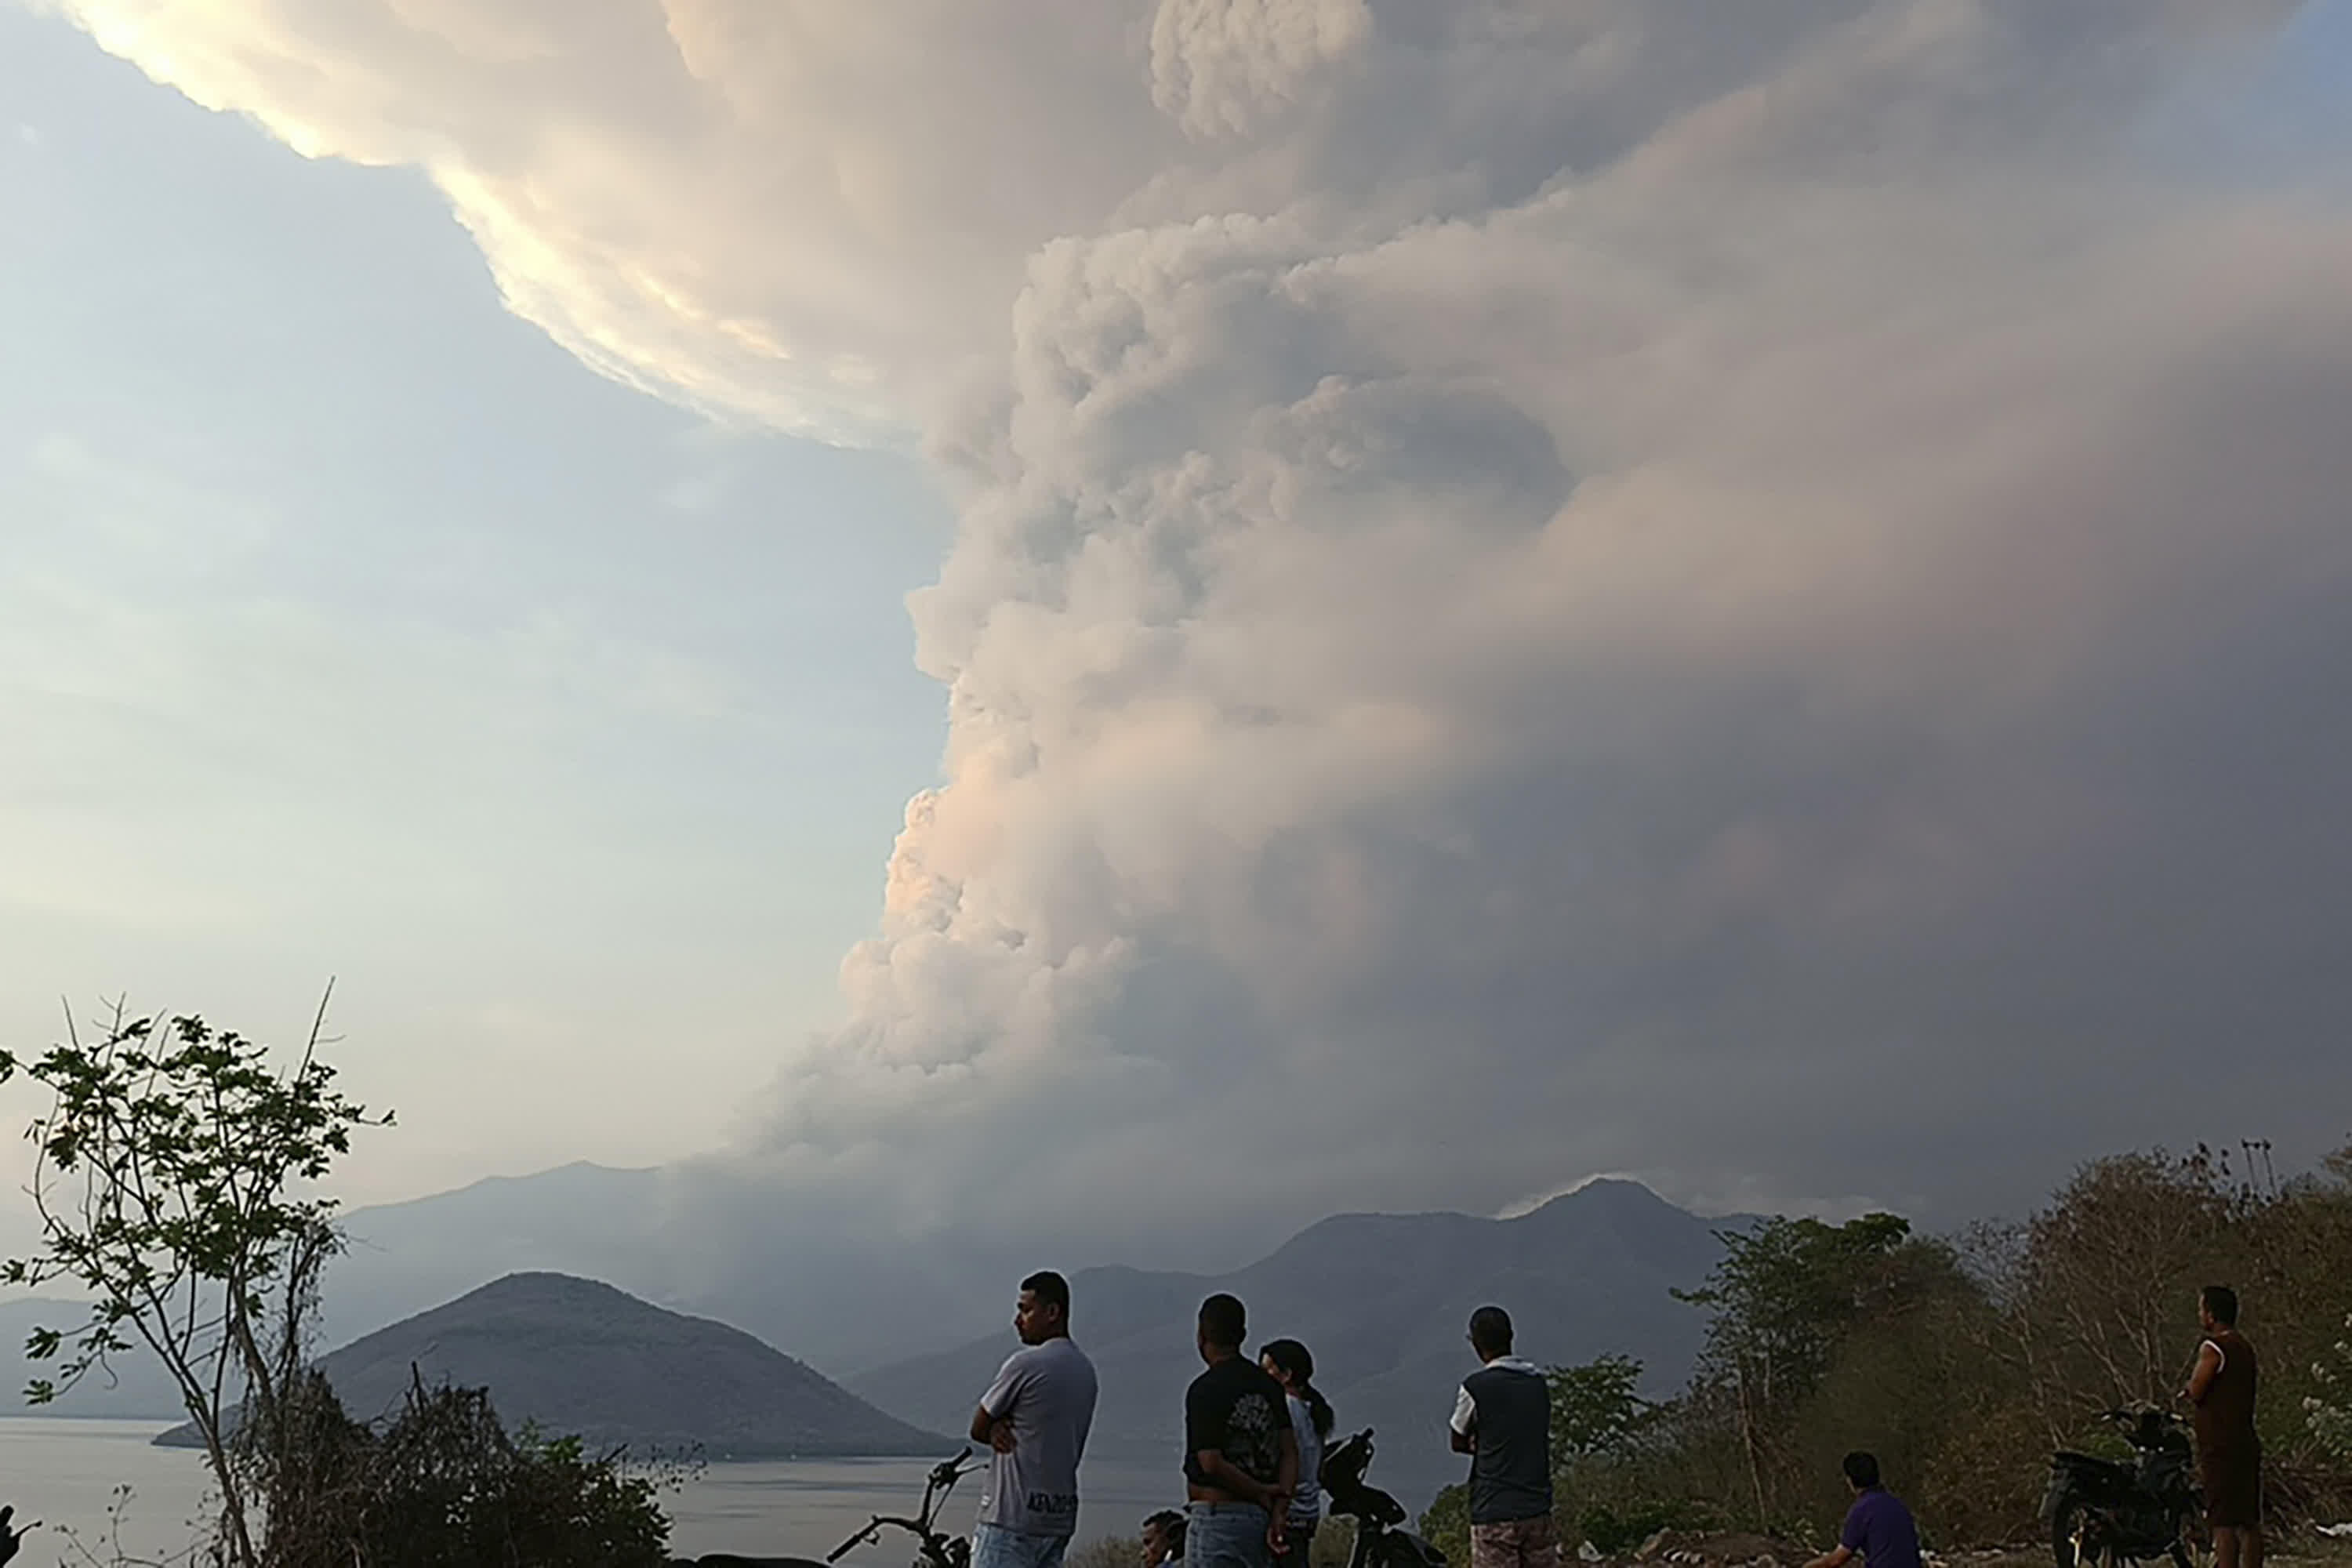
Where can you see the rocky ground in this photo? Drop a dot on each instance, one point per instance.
(1691, 1549)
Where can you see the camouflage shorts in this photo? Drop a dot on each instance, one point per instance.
(1518, 1543)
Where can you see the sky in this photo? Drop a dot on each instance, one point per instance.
(1155, 617)
(350, 629)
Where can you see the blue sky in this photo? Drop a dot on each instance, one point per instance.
(2278, 117)
(349, 625)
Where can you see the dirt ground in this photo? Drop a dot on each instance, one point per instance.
(1678, 1548)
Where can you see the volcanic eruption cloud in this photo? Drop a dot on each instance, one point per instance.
(1751, 594)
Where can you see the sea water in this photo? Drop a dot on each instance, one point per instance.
(106, 1481)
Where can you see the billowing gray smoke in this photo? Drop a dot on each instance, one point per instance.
(1749, 593)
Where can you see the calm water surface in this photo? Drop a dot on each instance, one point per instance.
(67, 1474)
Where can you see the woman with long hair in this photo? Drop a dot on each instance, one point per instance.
(1310, 1417)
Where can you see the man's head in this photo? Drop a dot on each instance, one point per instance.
(1490, 1332)
(1862, 1470)
(1044, 1310)
(2217, 1307)
(1224, 1325)
(1163, 1537)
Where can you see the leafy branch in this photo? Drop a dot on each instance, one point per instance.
(175, 1181)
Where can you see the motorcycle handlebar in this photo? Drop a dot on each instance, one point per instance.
(944, 1474)
(919, 1528)
(853, 1543)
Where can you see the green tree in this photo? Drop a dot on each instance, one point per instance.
(1445, 1525)
(1595, 1407)
(446, 1486)
(173, 1181)
(2098, 1296)
(1782, 1296)
(1785, 1290)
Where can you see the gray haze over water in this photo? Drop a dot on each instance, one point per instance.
(65, 1472)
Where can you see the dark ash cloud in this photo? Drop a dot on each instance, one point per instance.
(1543, 588)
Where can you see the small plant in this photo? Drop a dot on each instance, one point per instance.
(2328, 1413)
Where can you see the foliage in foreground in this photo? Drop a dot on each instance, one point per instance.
(2327, 1409)
(175, 1179)
(444, 1483)
(1962, 1363)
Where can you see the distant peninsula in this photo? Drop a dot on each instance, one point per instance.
(577, 1356)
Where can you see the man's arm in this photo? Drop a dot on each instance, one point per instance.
(1233, 1482)
(995, 1431)
(2201, 1376)
(1463, 1428)
(991, 1424)
(1284, 1488)
(1852, 1535)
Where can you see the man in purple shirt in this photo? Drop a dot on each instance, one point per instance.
(1878, 1527)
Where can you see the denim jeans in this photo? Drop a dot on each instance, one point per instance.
(1301, 1535)
(1225, 1535)
(993, 1546)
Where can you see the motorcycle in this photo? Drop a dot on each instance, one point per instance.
(1380, 1544)
(2124, 1510)
(934, 1547)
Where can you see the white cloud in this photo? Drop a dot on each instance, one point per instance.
(1542, 588)
(1220, 65)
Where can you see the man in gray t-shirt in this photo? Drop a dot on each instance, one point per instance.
(1035, 1418)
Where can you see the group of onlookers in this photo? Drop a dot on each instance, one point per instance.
(1254, 1437)
(1256, 1430)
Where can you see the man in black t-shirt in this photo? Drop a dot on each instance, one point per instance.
(1241, 1456)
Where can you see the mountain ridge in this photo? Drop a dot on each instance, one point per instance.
(580, 1356)
(1380, 1298)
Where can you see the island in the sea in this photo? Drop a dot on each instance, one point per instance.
(577, 1357)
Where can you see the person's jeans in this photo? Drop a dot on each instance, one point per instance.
(993, 1546)
(1225, 1535)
